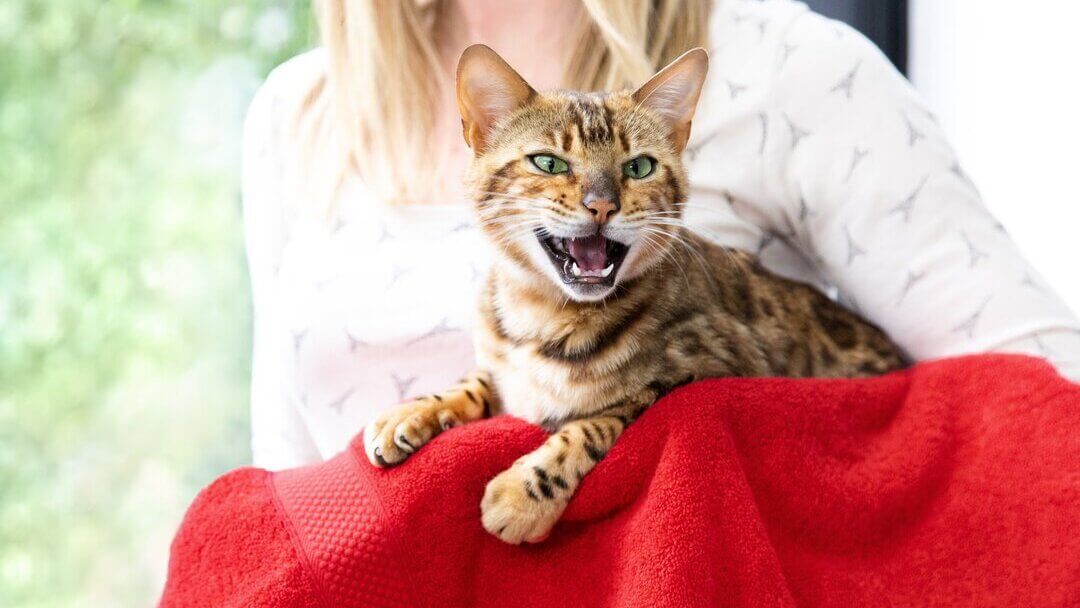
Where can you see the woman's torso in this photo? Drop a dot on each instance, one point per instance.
(375, 303)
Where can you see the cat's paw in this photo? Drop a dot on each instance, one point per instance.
(515, 509)
(397, 433)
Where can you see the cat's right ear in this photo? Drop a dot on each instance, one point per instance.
(487, 90)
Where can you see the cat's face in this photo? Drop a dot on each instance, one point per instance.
(582, 190)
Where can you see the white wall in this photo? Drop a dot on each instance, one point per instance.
(1003, 78)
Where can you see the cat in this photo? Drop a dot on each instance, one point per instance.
(599, 300)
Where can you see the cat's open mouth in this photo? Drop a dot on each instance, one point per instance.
(592, 260)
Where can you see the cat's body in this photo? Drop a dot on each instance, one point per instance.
(599, 300)
(705, 312)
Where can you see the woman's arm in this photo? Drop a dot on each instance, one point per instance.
(848, 166)
(279, 435)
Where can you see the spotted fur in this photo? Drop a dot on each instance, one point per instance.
(585, 363)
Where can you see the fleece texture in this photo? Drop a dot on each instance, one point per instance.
(954, 483)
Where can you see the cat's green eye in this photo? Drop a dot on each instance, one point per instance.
(549, 164)
(639, 167)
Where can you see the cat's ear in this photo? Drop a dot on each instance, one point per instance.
(673, 93)
(487, 90)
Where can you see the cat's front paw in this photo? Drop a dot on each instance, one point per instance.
(397, 433)
(516, 509)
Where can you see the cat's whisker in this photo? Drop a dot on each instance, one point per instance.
(680, 223)
(698, 205)
(687, 245)
(690, 246)
(647, 213)
(666, 252)
(512, 219)
(506, 196)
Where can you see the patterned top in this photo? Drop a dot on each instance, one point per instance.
(808, 149)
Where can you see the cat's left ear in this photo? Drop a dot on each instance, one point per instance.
(487, 90)
(674, 91)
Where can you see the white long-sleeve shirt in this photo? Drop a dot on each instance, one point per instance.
(808, 148)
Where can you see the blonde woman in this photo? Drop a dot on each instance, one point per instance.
(808, 148)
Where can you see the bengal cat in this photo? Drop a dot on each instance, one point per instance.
(599, 300)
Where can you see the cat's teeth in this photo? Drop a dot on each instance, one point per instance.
(605, 272)
(574, 269)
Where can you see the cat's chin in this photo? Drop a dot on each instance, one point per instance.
(585, 292)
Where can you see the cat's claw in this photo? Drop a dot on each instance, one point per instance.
(401, 431)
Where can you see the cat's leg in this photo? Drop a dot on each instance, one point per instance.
(400, 431)
(524, 502)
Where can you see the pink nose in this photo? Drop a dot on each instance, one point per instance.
(601, 209)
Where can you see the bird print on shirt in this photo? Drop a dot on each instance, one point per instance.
(734, 90)
(914, 134)
(354, 342)
(298, 341)
(857, 156)
(695, 147)
(442, 328)
(968, 325)
(1029, 281)
(402, 384)
(385, 235)
(906, 206)
(762, 26)
(339, 403)
(912, 279)
(847, 83)
(797, 133)
(974, 253)
(853, 249)
(396, 272)
(786, 50)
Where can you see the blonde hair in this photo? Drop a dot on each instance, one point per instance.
(384, 80)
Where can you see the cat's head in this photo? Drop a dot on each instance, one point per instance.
(583, 190)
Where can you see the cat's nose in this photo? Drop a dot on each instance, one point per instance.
(602, 207)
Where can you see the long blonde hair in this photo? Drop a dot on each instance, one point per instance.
(384, 80)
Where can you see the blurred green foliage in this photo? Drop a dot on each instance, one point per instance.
(124, 305)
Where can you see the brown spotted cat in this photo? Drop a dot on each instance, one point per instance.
(599, 300)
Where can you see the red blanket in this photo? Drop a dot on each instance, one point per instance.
(956, 483)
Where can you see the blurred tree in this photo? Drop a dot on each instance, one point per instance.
(124, 307)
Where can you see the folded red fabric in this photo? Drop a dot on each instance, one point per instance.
(954, 483)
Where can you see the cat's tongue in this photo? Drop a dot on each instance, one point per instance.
(589, 252)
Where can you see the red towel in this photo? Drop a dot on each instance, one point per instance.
(955, 483)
